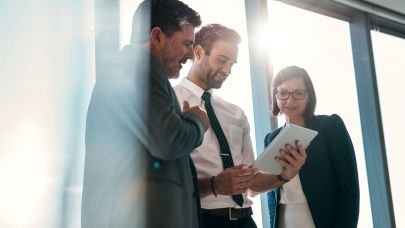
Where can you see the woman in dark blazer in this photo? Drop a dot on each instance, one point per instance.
(325, 193)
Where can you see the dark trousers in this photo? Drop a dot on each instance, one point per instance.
(212, 221)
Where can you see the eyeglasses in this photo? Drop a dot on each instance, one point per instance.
(297, 95)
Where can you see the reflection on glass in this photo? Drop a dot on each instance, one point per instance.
(389, 55)
(321, 45)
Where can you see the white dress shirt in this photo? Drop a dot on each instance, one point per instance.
(206, 157)
(294, 209)
(292, 193)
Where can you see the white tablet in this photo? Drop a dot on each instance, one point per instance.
(288, 135)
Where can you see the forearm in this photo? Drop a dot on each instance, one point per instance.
(167, 133)
(205, 187)
(347, 217)
(347, 211)
(264, 182)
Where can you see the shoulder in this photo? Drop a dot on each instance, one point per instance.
(271, 135)
(226, 105)
(332, 120)
(323, 120)
(179, 88)
(330, 124)
(183, 93)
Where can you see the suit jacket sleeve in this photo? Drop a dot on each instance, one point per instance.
(149, 107)
(272, 196)
(170, 134)
(345, 168)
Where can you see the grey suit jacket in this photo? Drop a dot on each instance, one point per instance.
(137, 165)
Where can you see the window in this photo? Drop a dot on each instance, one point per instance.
(321, 45)
(389, 55)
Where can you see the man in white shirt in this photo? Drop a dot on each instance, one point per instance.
(223, 187)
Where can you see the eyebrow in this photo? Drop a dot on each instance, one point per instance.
(295, 90)
(189, 42)
(227, 58)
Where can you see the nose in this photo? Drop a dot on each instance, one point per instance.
(227, 69)
(189, 52)
(290, 98)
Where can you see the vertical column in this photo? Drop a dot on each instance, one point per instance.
(256, 17)
(73, 25)
(371, 123)
(107, 30)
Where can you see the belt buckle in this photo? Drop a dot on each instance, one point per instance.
(230, 214)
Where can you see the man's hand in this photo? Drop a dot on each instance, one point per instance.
(235, 180)
(197, 111)
(292, 159)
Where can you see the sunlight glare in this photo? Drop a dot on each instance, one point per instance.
(25, 175)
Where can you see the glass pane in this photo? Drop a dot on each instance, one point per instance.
(389, 55)
(46, 77)
(237, 88)
(321, 45)
(127, 9)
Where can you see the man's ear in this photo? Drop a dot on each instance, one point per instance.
(157, 37)
(198, 52)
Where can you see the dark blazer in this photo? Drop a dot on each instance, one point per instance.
(138, 172)
(329, 176)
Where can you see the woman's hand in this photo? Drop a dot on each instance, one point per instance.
(291, 159)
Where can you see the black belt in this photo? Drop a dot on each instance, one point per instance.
(231, 213)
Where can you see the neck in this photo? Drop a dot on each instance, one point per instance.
(194, 76)
(300, 121)
(154, 51)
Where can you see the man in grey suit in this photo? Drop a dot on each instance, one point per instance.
(138, 172)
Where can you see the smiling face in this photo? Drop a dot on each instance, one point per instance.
(177, 49)
(215, 68)
(291, 107)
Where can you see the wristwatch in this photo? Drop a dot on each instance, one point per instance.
(281, 179)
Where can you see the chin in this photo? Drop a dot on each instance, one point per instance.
(173, 75)
(217, 86)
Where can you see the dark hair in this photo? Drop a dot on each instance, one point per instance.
(213, 32)
(294, 72)
(168, 15)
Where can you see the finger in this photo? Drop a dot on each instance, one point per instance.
(292, 152)
(186, 106)
(249, 169)
(280, 157)
(246, 172)
(301, 150)
(283, 163)
(294, 163)
(290, 157)
(244, 185)
(234, 169)
(298, 157)
(245, 178)
(202, 105)
(240, 190)
(286, 153)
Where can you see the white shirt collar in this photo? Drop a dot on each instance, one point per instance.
(195, 89)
